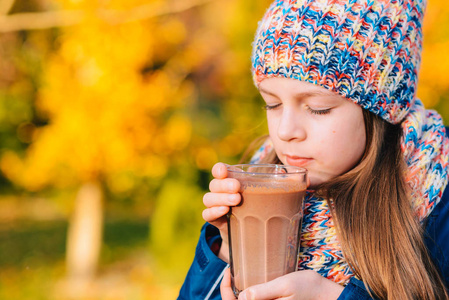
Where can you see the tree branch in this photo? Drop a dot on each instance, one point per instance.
(39, 20)
(5, 6)
(148, 11)
(44, 20)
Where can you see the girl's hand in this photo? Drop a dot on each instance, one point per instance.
(225, 287)
(224, 192)
(298, 285)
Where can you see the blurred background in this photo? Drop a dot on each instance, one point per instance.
(112, 113)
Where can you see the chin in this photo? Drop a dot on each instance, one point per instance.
(315, 182)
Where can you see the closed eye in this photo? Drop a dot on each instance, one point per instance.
(270, 107)
(319, 111)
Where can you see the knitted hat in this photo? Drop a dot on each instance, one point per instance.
(365, 50)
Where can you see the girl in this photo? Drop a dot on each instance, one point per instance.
(339, 79)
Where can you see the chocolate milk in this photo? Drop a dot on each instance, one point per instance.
(264, 227)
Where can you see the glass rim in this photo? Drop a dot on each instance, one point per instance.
(295, 170)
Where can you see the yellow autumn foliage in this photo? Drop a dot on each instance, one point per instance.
(433, 86)
(99, 105)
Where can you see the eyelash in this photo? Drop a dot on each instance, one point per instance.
(319, 112)
(313, 111)
(270, 107)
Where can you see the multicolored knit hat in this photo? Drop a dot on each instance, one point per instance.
(367, 51)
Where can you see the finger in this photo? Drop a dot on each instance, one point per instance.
(219, 199)
(271, 290)
(219, 171)
(227, 185)
(214, 213)
(225, 287)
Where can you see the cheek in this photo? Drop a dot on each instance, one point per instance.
(272, 123)
(349, 146)
(342, 146)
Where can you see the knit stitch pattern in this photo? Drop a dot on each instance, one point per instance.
(426, 153)
(367, 51)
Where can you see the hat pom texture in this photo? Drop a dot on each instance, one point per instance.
(366, 51)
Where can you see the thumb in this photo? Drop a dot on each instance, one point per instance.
(225, 287)
(265, 291)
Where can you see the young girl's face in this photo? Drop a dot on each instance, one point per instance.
(314, 128)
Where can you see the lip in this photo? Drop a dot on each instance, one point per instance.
(297, 161)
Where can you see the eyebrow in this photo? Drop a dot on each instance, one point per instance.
(301, 95)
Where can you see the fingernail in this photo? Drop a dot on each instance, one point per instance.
(231, 199)
(242, 296)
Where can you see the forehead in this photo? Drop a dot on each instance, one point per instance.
(287, 86)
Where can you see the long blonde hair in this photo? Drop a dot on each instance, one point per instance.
(379, 234)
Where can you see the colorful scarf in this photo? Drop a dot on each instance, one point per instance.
(426, 153)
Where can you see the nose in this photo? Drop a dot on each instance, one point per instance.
(291, 127)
